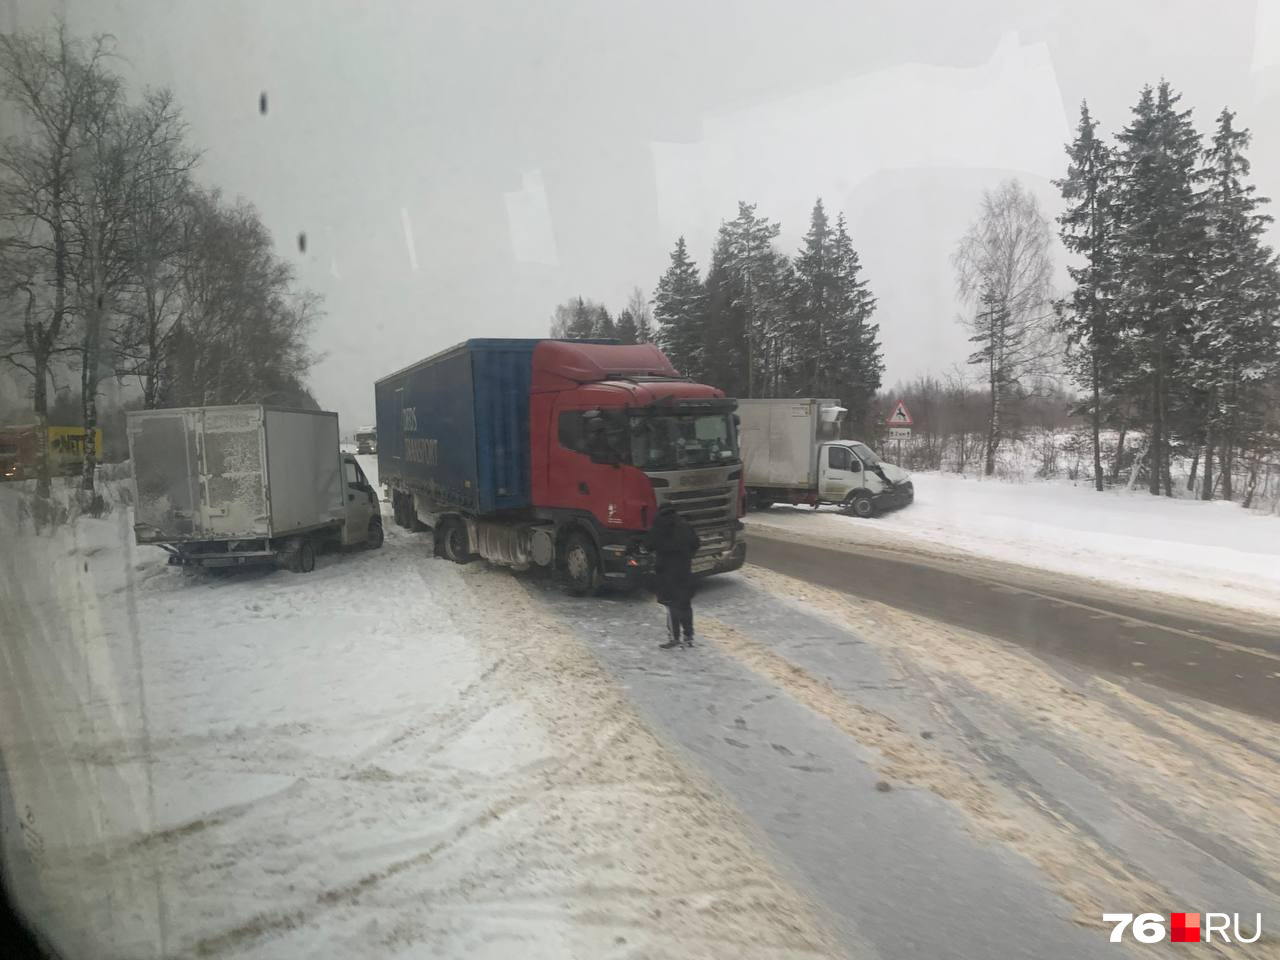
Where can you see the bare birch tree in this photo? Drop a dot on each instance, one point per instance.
(1004, 271)
(51, 83)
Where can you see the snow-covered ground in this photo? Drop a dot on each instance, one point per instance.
(1214, 552)
(389, 757)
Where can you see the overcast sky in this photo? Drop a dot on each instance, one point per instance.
(460, 168)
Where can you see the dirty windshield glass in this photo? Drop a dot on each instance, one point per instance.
(865, 453)
(640, 479)
(669, 442)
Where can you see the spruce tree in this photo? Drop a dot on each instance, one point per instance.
(679, 309)
(583, 324)
(857, 365)
(724, 332)
(812, 318)
(1237, 341)
(626, 327)
(604, 328)
(747, 290)
(1087, 230)
(1160, 247)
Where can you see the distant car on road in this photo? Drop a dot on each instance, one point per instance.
(367, 440)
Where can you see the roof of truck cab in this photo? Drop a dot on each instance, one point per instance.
(589, 362)
(645, 392)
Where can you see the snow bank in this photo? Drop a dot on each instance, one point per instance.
(1210, 551)
(390, 756)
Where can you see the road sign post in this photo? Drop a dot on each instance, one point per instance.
(899, 423)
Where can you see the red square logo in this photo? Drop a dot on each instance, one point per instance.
(1185, 927)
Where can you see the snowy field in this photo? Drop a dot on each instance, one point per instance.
(1207, 551)
(391, 756)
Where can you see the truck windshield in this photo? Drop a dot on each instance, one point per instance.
(675, 442)
(865, 453)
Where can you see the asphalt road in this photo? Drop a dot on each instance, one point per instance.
(1215, 655)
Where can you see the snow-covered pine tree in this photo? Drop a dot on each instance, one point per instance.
(725, 346)
(854, 341)
(812, 315)
(1160, 249)
(680, 311)
(605, 328)
(1236, 346)
(747, 289)
(583, 324)
(1087, 229)
(626, 327)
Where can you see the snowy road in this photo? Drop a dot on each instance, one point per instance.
(1016, 787)
(399, 757)
(1224, 656)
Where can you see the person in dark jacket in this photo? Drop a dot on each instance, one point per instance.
(674, 542)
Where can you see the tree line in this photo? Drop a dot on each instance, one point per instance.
(760, 323)
(1173, 323)
(582, 319)
(115, 262)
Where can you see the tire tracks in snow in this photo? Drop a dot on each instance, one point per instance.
(1007, 802)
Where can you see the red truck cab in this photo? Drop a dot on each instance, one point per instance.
(616, 433)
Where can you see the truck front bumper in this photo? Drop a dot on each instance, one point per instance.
(900, 495)
(629, 569)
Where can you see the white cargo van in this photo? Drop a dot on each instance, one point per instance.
(791, 454)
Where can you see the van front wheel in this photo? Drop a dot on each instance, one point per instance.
(860, 505)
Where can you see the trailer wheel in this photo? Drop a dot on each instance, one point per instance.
(860, 505)
(581, 565)
(761, 501)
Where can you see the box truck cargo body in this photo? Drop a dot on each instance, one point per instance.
(229, 484)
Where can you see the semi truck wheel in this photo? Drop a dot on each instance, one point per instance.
(581, 565)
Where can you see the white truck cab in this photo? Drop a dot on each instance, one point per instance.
(361, 507)
(850, 473)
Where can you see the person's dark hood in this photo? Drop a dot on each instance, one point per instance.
(667, 517)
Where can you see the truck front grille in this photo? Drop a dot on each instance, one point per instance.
(704, 509)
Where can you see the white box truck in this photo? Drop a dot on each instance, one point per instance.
(791, 453)
(238, 485)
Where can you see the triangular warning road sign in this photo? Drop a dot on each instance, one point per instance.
(900, 417)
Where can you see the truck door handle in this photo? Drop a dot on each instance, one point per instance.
(583, 488)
